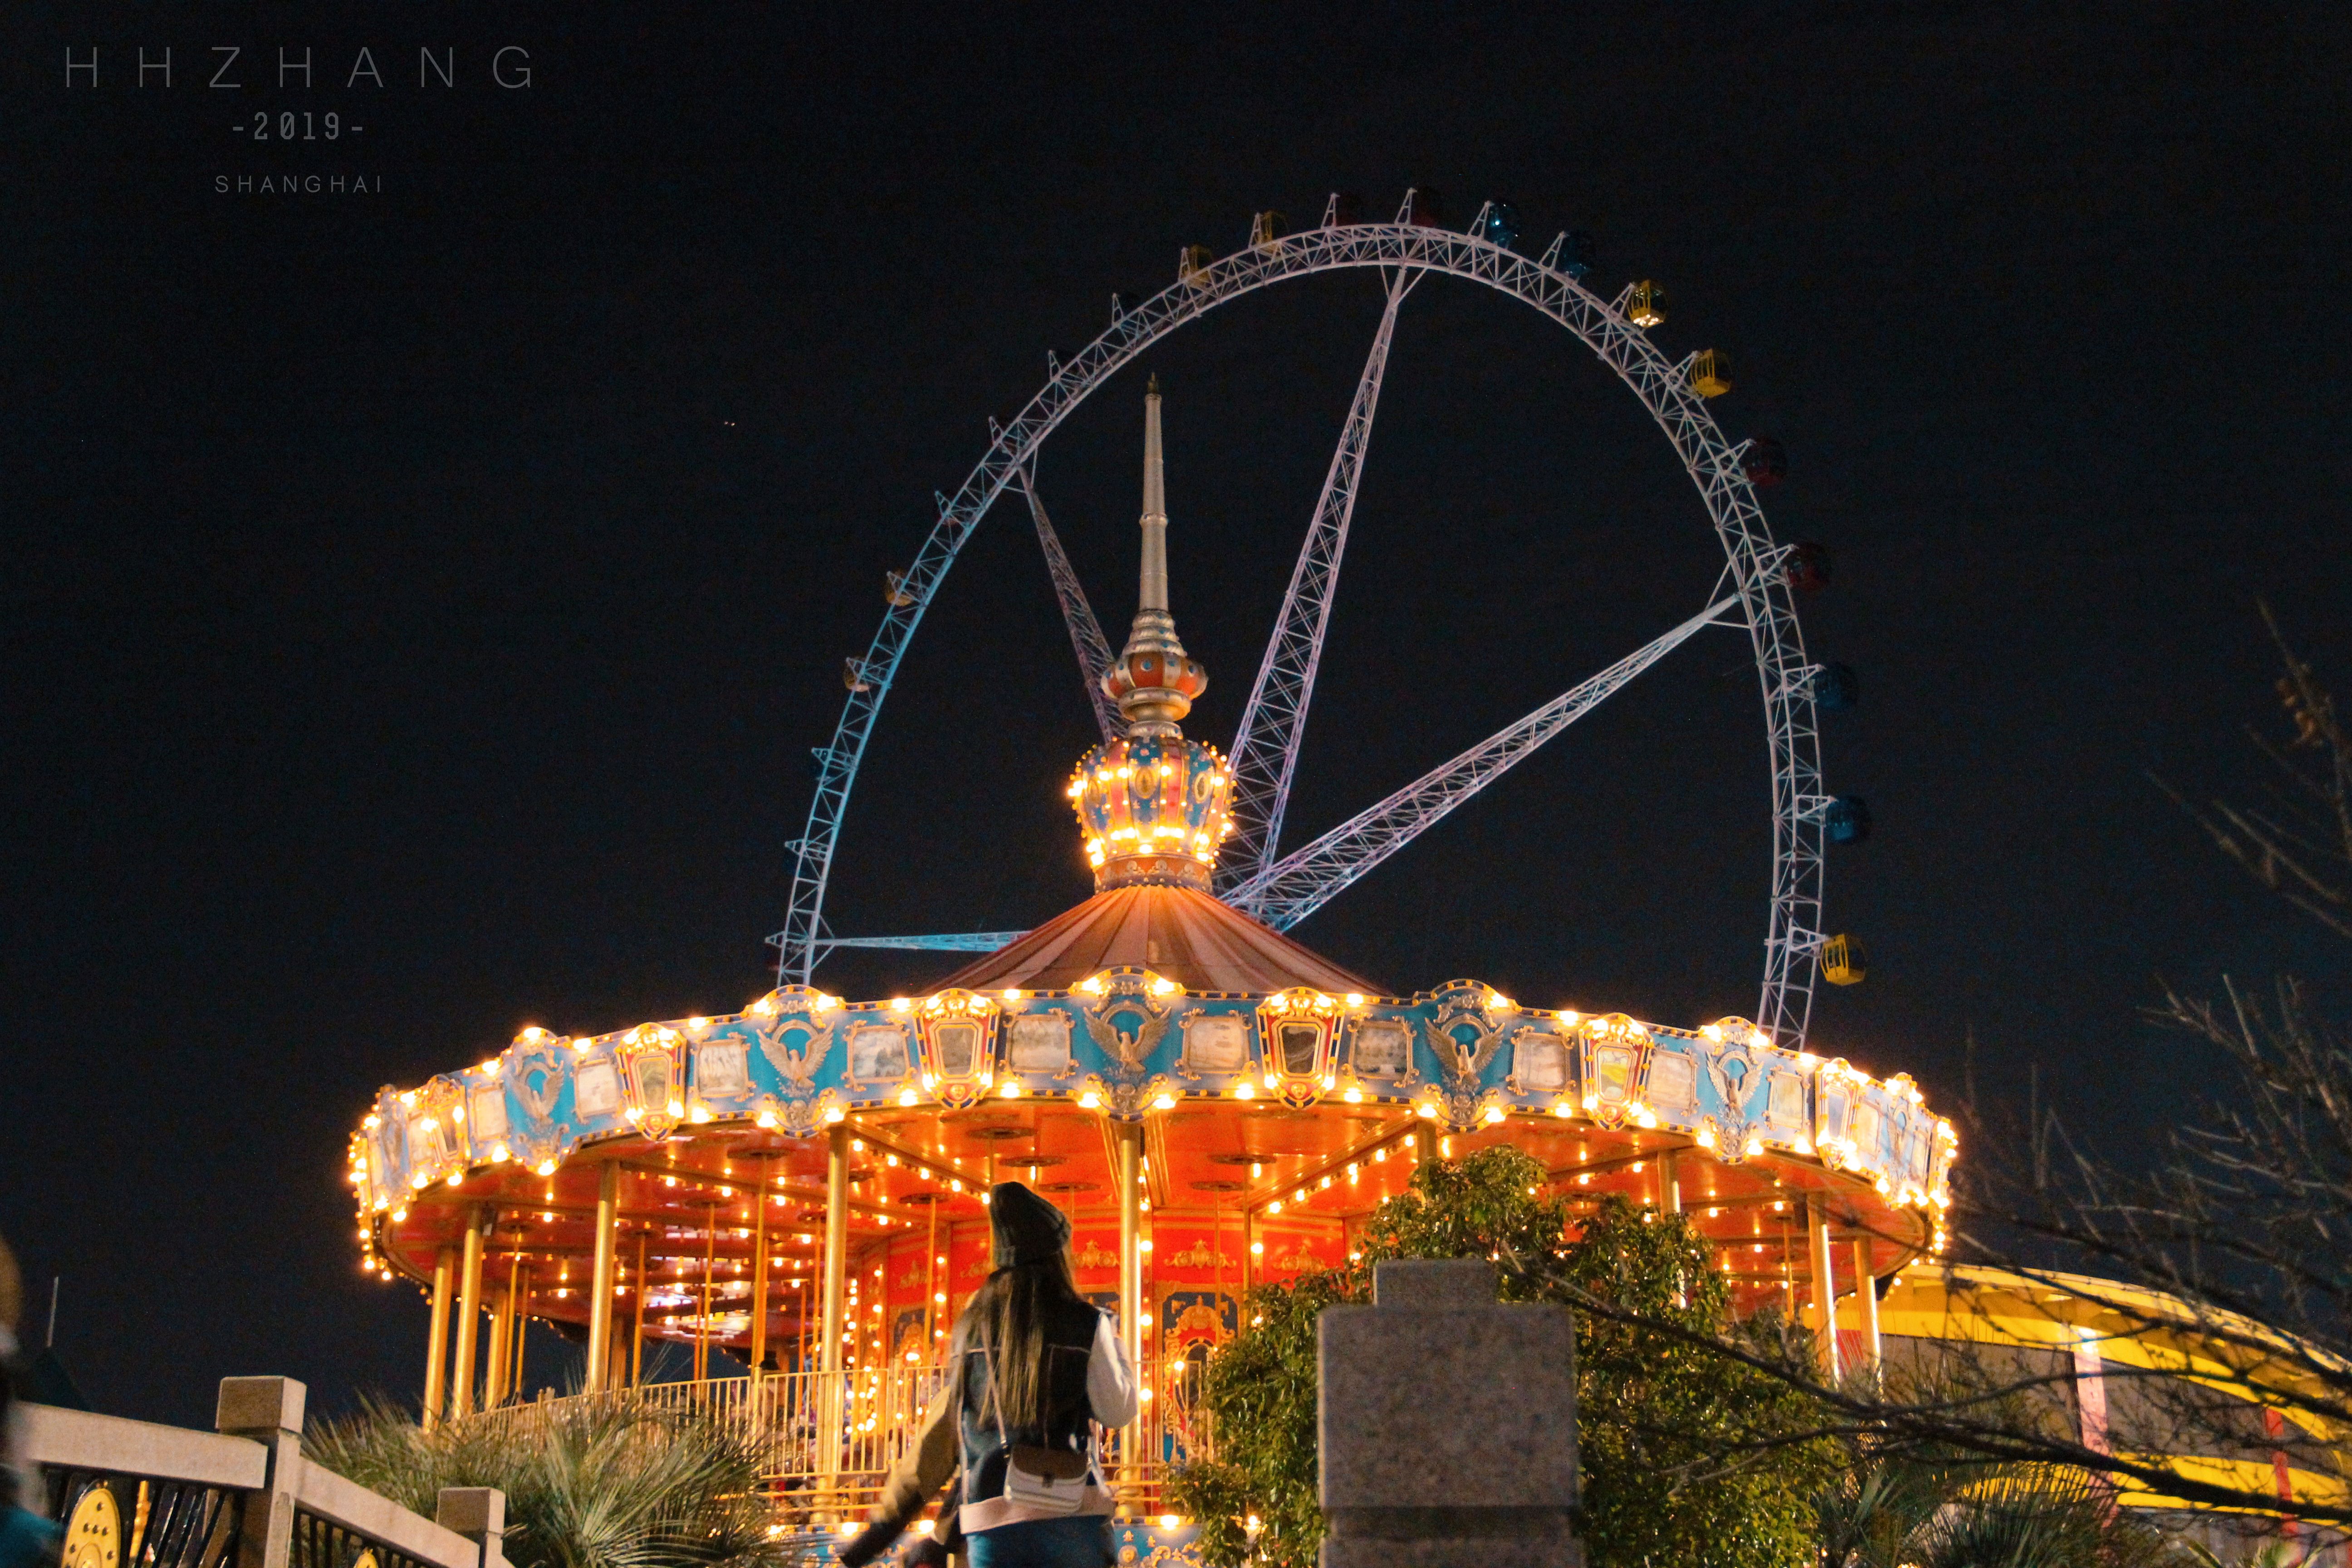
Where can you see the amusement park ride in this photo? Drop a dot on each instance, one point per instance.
(800, 1183)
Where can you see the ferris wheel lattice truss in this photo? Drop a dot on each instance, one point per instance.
(1755, 591)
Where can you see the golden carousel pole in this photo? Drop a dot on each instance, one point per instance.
(637, 1329)
(502, 1314)
(1817, 1236)
(760, 1275)
(437, 1334)
(599, 1280)
(837, 1284)
(1865, 1290)
(469, 1313)
(1129, 1145)
(710, 1262)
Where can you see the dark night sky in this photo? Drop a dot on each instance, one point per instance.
(419, 607)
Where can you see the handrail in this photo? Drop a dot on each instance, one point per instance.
(352, 1507)
(244, 1494)
(84, 1440)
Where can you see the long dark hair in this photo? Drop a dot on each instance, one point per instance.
(1009, 1316)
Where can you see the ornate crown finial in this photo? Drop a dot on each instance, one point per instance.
(1151, 803)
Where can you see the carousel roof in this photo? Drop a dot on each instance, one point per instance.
(1187, 936)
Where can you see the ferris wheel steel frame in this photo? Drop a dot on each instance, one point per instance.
(1307, 878)
(1264, 756)
(1753, 560)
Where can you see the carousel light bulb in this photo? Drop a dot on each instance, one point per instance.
(1273, 1081)
(907, 1097)
(1163, 1102)
(1493, 1114)
(1354, 1095)
(1089, 1100)
(1010, 1088)
(1355, 998)
(1243, 1092)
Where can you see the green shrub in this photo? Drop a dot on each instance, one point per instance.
(1682, 1452)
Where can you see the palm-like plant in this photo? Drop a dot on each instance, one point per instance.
(593, 1483)
(1902, 1511)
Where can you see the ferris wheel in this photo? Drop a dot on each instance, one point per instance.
(1755, 590)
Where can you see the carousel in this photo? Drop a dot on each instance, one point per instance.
(794, 1193)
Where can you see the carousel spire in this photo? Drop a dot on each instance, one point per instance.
(1152, 805)
(1154, 681)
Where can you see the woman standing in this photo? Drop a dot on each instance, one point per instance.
(1035, 1368)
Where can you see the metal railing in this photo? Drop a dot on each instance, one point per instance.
(146, 1496)
(827, 1442)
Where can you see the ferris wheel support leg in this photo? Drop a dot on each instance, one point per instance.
(1825, 1271)
(470, 1314)
(1274, 720)
(598, 1376)
(437, 1335)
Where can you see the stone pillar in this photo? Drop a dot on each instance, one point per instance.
(1865, 1292)
(469, 1313)
(1824, 1270)
(269, 1411)
(437, 1335)
(477, 1514)
(1446, 1424)
(599, 1280)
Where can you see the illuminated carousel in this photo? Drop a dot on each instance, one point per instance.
(799, 1186)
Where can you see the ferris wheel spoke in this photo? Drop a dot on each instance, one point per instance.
(1304, 881)
(1086, 639)
(1273, 720)
(952, 942)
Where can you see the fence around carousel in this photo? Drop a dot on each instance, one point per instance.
(827, 1441)
(134, 1494)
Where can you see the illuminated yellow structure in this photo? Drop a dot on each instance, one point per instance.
(2097, 1340)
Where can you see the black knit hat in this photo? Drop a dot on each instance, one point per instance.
(1024, 1227)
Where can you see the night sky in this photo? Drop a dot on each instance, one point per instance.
(419, 606)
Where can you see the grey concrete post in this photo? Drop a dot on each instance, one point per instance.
(1447, 1425)
(477, 1514)
(267, 1410)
